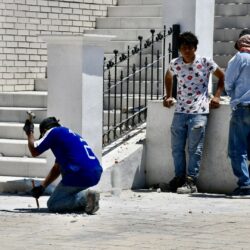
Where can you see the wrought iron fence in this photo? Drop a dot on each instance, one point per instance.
(133, 78)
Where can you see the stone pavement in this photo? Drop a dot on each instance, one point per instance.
(134, 220)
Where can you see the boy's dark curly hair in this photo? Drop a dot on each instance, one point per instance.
(187, 38)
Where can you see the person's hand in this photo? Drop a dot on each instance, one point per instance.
(215, 102)
(28, 127)
(168, 102)
(36, 192)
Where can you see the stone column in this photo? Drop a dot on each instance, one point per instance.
(75, 84)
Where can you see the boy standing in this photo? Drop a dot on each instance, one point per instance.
(191, 112)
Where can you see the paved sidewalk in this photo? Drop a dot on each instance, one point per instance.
(135, 220)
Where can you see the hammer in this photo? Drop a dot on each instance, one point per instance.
(31, 115)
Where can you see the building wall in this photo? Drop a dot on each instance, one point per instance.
(23, 56)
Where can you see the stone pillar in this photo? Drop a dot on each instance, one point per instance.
(75, 84)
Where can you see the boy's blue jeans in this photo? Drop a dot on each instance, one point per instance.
(238, 144)
(67, 199)
(188, 128)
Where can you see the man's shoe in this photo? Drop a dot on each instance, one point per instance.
(172, 186)
(189, 187)
(240, 192)
(92, 202)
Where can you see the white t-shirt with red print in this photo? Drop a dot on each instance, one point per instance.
(192, 86)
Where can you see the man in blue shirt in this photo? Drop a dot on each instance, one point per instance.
(75, 162)
(237, 85)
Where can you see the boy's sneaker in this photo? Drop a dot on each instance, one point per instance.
(172, 186)
(189, 187)
(92, 202)
(240, 192)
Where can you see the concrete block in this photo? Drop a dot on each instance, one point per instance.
(216, 175)
(123, 168)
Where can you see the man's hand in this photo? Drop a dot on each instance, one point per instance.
(28, 127)
(215, 103)
(168, 102)
(36, 192)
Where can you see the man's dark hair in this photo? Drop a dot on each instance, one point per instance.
(242, 33)
(47, 124)
(187, 38)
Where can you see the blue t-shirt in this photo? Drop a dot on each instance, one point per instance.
(78, 164)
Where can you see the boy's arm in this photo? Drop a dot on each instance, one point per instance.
(168, 100)
(215, 102)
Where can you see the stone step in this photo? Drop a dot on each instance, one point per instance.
(233, 9)
(132, 11)
(16, 148)
(129, 23)
(139, 2)
(238, 22)
(224, 48)
(124, 98)
(122, 46)
(24, 99)
(14, 130)
(116, 115)
(124, 35)
(231, 1)
(135, 59)
(136, 86)
(227, 34)
(19, 114)
(23, 167)
(222, 60)
(150, 73)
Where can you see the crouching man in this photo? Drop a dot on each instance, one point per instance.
(75, 162)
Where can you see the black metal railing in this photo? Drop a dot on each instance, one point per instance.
(134, 77)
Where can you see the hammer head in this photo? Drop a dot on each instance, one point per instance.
(31, 115)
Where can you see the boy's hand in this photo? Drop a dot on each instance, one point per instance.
(168, 102)
(215, 103)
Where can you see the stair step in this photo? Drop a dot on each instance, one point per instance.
(143, 72)
(124, 35)
(222, 60)
(239, 22)
(139, 2)
(124, 100)
(19, 114)
(234, 9)
(231, 1)
(23, 167)
(135, 86)
(14, 130)
(16, 148)
(129, 22)
(118, 115)
(132, 11)
(224, 48)
(24, 99)
(227, 34)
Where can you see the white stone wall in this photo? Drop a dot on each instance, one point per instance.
(23, 56)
